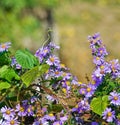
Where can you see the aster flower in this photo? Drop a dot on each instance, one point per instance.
(21, 110)
(57, 123)
(114, 98)
(29, 110)
(115, 68)
(108, 115)
(7, 112)
(101, 52)
(90, 89)
(2, 122)
(95, 39)
(82, 91)
(98, 60)
(12, 121)
(63, 119)
(50, 117)
(83, 105)
(66, 76)
(53, 45)
(53, 60)
(117, 121)
(14, 63)
(5, 46)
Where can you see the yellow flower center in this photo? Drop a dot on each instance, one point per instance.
(29, 110)
(88, 89)
(115, 98)
(101, 51)
(80, 83)
(57, 124)
(12, 122)
(68, 83)
(102, 67)
(56, 72)
(45, 50)
(21, 109)
(51, 114)
(3, 46)
(64, 74)
(64, 90)
(109, 114)
(62, 65)
(8, 112)
(97, 58)
(52, 59)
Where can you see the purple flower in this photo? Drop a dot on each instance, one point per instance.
(115, 68)
(53, 60)
(5, 46)
(94, 123)
(82, 106)
(50, 117)
(14, 63)
(98, 60)
(117, 121)
(21, 110)
(29, 110)
(82, 91)
(57, 123)
(109, 115)
(63, 118)
(101, 52)
(42, 53)
(12, 121)
(7, 112)
(53, 46)
(2, 122)
(90, 89)
(114, 98)
(95, 39)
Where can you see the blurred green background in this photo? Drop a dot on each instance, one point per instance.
(26, 22)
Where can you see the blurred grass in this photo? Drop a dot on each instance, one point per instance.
(77, 20)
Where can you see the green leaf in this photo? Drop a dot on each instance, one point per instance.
(98, 105)
(8, 73)
(33, 73)
(4, 85)
(25, 59)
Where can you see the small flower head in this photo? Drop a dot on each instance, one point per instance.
(21, 110)
(5, 46)
(114, 98)
(50, 117)
(7, 112)
(53, 60)
(109, 115)
(12, 121)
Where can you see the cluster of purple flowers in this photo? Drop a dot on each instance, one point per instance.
(32, 108)
(61, 81)
(102, 69)
(56, 70)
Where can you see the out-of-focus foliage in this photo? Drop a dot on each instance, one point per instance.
(19, 22)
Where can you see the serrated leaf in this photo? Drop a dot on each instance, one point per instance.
(33, 73)
(8, 73)
(25, 59)
(4, 85)
(98, 105)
